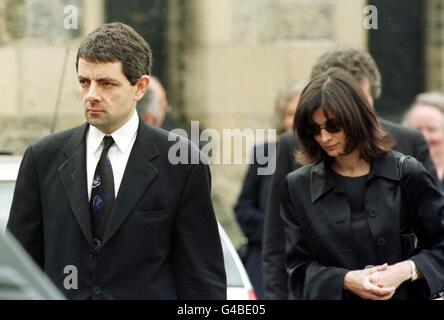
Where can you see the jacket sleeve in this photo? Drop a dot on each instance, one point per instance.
(309, 280)
(197, 250)
(428, 203)
(25, 218)
(275, 275)
(248, 214)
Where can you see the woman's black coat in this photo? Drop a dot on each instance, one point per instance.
(317, 221)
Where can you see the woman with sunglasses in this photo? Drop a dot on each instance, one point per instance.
(349, 213)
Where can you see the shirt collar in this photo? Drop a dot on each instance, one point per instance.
(122, 136)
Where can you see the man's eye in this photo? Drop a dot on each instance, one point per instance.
(83, 83)
(107, 84)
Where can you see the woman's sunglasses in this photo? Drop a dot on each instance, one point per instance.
(331, 126)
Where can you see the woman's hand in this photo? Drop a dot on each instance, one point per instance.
(358, 282)
(392, 276)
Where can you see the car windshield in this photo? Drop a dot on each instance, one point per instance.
(6, 193)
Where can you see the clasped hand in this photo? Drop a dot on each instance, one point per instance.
(377, 283)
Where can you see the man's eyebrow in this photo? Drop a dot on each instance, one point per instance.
(104, 79)
(107, 79)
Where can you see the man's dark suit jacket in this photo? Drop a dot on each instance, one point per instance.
(161, 241)
(407, 141)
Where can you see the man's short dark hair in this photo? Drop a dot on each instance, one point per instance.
(113, 42)
(336, 91)
(359, 64)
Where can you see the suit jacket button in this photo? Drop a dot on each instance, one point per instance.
(381, 242)
(97, 290)
(372, 214)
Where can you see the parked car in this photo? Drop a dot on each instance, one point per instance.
(20, 277)
(9, 166)
(238, 283)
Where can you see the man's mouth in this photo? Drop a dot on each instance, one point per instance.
(94, 110)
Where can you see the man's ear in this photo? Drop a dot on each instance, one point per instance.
(141, 86)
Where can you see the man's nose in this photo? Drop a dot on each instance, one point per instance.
(92, 95)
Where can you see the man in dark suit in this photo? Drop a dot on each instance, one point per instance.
(363, 68)
(101, 204)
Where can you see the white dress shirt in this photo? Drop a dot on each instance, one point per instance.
(118, 154)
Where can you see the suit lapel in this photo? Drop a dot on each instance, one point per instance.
(73, 175)
(139, 173)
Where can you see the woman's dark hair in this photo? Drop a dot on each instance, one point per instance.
(114, 42)
(336, 93)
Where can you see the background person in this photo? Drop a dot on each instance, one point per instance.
(153, 107)
(252, 202)
(349, 214)
(426, 114)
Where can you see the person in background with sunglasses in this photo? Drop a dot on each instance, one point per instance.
(361, 66)
(342, 229)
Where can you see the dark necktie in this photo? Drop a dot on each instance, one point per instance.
(102, 193)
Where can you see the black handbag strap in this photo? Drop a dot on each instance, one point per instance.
(400, 167)
(406, 219)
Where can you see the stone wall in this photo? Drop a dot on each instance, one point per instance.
(434, 45)
(19, 132)
(37, 55)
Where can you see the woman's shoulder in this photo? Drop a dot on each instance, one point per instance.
(409, 162)
(408, 166)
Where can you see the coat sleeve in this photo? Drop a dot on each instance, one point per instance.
(428, 203)
(275, 275)
(197, 250)
(25, 219)
(309, 280)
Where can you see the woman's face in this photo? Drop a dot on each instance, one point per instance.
(332, 142)
(288, 112)
(430, 122)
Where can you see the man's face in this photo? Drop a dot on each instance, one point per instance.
(288, 112)
(108, 96)
(430, 122)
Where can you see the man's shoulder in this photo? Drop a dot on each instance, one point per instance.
(170, 146)
(397, 130)
(287, 138)
(59, 139)
(165, 139)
